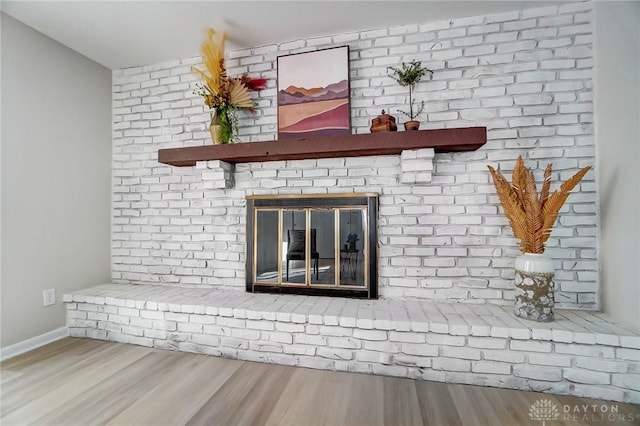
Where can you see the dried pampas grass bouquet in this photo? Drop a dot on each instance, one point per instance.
(530, 214)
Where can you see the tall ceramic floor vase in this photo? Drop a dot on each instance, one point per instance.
(534, 287)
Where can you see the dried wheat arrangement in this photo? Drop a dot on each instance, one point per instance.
(530, 214)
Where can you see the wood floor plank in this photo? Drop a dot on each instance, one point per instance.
(7, 376)
(316, 397)
(296, 398)
(247, 398)
(73, 385)
(437, 405)
(38, 365)
(472, 406)
(511, 408)
(185, 388)
(40, 377)
(44, 352)
(354, 399)
(54, 357)
(401, 405)
(123, 389)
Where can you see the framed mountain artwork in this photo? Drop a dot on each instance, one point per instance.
(313, 94)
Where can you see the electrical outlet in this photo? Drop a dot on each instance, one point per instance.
(49, 297)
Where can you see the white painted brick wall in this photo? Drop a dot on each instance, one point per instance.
(525, 75)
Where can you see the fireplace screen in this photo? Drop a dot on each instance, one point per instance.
(322, 245)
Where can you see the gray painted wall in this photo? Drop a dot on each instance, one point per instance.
(56, 157)
(617, 89)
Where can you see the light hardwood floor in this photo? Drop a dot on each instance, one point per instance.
(82, 382)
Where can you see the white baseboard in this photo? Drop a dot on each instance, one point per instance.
(33, 343)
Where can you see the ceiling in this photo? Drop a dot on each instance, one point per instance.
(123, 34)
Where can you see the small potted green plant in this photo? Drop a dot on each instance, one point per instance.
(408, 75)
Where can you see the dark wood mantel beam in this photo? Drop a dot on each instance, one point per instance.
(385, 143)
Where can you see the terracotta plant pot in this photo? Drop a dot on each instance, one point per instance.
(534, 287)
(411, 125)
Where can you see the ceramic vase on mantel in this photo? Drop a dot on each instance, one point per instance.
(218, 134)
(214, 129)
(534, 287)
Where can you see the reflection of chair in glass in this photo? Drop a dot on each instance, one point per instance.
(296, 249)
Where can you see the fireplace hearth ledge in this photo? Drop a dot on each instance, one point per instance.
(583, 353)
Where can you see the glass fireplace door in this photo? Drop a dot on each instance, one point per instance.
(293, 243)
(266, 249)
(323, 247)
(323, 239)
(353, 226)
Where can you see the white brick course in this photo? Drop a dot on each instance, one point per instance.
(549, 374)
(416, 342)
